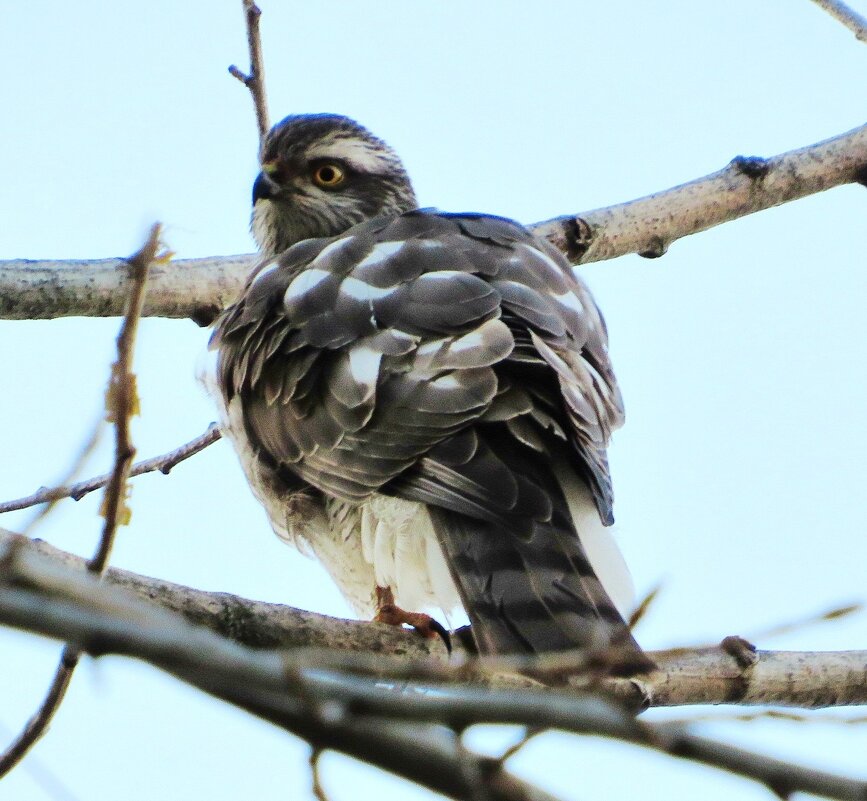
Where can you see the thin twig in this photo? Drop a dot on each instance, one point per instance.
(51, 784)
(163, 463)
(38, 724)
(530, 732)
(315, 778)
(50, 502)
(641, 610)
(121, 404)
(782, 715)
(849, 17)
(255, 80)
(837, 613)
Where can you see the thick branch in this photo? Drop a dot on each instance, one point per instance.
(254, 623)
(854, 21)
(194, 288)
(200, 288)
(356, 714)
(688, 676)
(804, 679)
(650, 224)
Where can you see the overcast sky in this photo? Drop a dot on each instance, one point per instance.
(739, 474)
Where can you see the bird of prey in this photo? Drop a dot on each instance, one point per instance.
(422, 400)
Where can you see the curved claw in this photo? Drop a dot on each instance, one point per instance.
(391, 613)
(443, 632)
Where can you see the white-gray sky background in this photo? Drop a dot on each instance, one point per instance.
(740, 472)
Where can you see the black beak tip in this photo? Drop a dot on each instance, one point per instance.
(263, 188)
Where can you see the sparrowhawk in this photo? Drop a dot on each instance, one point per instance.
(423, 400)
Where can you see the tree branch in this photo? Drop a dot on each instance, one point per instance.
(255, 80)
(201, 288)
(360, 715)
(848, 16)
(45, 289)
(253, 623)
(685, 676)
(121, 404)
(648, 226)
(164, 463)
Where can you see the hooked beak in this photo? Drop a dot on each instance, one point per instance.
(264, 188)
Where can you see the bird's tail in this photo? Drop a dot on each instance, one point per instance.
(536, 593)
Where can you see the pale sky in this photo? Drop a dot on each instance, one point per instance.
(739, 475)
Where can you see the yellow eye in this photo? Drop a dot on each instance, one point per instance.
(328, 176)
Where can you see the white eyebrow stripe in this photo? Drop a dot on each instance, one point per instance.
(364, 156)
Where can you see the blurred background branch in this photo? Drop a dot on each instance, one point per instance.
(318, 697)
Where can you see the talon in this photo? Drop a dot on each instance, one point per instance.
(389, 612)
(439, 629)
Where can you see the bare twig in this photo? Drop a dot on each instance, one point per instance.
(121, 404)
(784, 716)
(828, 616)
(255, 80)
(687, 676)
(38, 724)
(640, 611)
(315, 778)
(200, 288)
(163, 463)
(530, 732)
(848, 16)
(359, 715)
(50, 502)
(51, 784)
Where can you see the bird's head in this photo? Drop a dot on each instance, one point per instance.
(322, 174)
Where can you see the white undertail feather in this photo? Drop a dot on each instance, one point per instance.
(397, 540)
(598, 541)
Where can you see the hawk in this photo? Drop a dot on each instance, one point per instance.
(422, 400)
